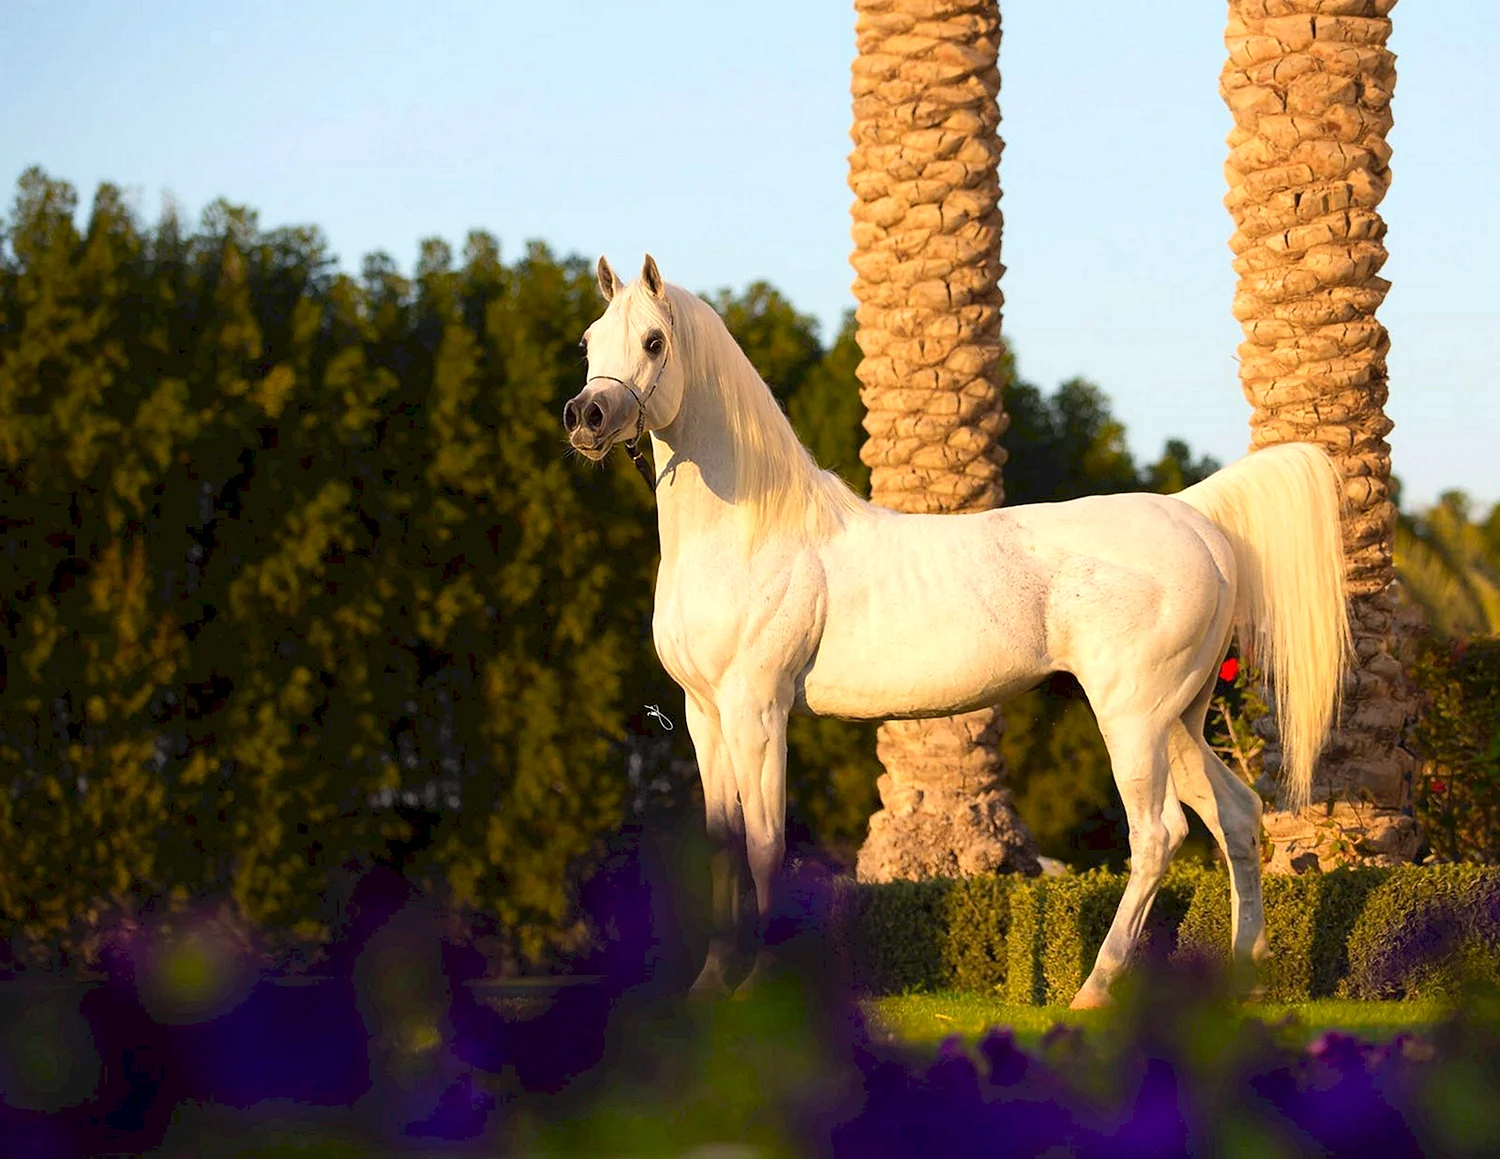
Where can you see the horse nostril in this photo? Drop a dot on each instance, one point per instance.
(593, 416)
(570, 416)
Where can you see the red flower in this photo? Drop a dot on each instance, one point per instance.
(1436, 787)
(1229, 669)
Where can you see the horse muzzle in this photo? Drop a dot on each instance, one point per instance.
(596, 417)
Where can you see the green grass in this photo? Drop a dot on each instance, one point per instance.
(927, 1019)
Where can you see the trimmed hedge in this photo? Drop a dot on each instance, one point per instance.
(1424, 931)
(1359, 933)
(898, 936)
(1309, 920)
(1023, 950)
(940, 934)
(1074, 916)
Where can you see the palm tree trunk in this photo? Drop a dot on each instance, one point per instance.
(1309, 83)
(925, 172)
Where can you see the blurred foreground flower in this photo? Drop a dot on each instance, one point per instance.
(393, 1046)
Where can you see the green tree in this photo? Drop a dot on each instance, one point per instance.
(1064, 446)
(1448, 561)
(563, 568)
(826, 411)
(1177, 469)
(90, 437)
(293, 556)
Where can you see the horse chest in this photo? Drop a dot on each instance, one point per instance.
(714, 618)
(690, 640)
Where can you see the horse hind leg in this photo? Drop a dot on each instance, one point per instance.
(1138, 754)
(1232, 811)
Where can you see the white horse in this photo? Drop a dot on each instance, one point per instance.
(780, 590)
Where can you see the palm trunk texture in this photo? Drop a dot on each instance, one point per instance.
(1309, 84)
(925, 174)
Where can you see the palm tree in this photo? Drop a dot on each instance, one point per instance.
(1309, 84)
(925, 173)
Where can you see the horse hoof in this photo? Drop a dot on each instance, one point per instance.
(751, 986)
(708, 992)
(1089, 1000)
(760, 972)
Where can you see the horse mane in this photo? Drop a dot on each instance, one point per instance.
(778, 485)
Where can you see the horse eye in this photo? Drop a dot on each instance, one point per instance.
(654, 344)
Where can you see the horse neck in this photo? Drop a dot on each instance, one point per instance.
(695, 467)
(700, 455)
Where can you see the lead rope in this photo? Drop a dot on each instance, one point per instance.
(633, 446)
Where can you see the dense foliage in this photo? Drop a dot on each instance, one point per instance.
(1448, 557)
(1457, 735)
(290, 557)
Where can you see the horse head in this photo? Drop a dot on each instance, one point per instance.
(634, 383)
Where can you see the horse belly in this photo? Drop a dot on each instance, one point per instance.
(926, 658)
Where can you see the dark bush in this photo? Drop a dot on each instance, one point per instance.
(1076, 912)
(975, 946)
(1457, 735)
(897, 936)
(932, 935)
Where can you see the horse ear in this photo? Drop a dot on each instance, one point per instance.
(609, 285)
(652, 277)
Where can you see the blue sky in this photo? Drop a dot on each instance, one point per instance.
(716, 136)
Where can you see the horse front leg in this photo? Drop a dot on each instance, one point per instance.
(726, 833)
(753, 723)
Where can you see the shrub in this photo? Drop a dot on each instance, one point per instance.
(1204, 932)
(1457, 734)
(1424, 931)
(977, 932)
(1308, 919)
(898, 929)
(931, 935)
(1058, 924)
(1023, 974)
(1357, 932)
(1340, 900)
(1076, 912)
(1176, 894)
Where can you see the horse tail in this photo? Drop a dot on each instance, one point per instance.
(1279, 508)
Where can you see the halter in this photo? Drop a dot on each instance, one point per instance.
(632, 444)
